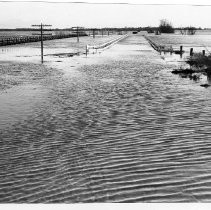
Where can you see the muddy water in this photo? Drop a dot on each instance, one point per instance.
(121, 128)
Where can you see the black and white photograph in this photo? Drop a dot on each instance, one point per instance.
(105, 101)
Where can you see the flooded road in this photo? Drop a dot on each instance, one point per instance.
(120, 128)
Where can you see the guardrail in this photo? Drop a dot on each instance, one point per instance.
(104, 45)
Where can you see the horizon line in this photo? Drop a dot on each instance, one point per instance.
(103, 3)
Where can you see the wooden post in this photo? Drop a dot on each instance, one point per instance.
(108, 32)
(203, 52)
(86, 50)
(171, 50)
(41, 31)
(93, 33)
(77, 34)
(191, 51)
(181, 49)
(159, 49)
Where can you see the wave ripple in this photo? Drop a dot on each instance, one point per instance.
(125, 130)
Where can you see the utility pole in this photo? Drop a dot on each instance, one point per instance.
(41, 34)
(77, 35)
(77, 28)
(93, 31)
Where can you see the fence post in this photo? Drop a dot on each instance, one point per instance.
(170, 50)
(191, 51)
(86, 50)
(93, 30)
(203, 52)
(181, 49)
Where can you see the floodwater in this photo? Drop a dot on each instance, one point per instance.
(30, 52)
(198, 42)
(120, 128)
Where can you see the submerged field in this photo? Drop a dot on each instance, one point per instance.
(197, 42)
(110, 127)
(185, 62)
(21, 64)
(30, 52)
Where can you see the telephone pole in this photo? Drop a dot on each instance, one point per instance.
(41, 36)
(93, 32)
(77, 35)
(77, 29)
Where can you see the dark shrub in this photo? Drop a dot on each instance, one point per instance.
(166, 27)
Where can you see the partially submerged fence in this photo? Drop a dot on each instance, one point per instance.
(159, 47)
(104, 45)
(169, 48)
(4, 41)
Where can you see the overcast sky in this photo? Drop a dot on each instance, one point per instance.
(62, 15)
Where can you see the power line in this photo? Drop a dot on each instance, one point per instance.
(104, 3)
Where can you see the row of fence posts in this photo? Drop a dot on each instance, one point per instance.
(191, 51)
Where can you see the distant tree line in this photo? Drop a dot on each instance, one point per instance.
(23, 29)
(188, 30)
(164, 27)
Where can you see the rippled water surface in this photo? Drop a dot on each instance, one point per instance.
(122, 128)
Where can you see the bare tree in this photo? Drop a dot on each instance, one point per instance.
(187, 30)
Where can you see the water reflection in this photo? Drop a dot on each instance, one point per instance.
(18, 102)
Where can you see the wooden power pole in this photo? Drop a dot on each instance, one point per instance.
(41, 36)
(77, 29)
(77, 35)
(93, 32)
